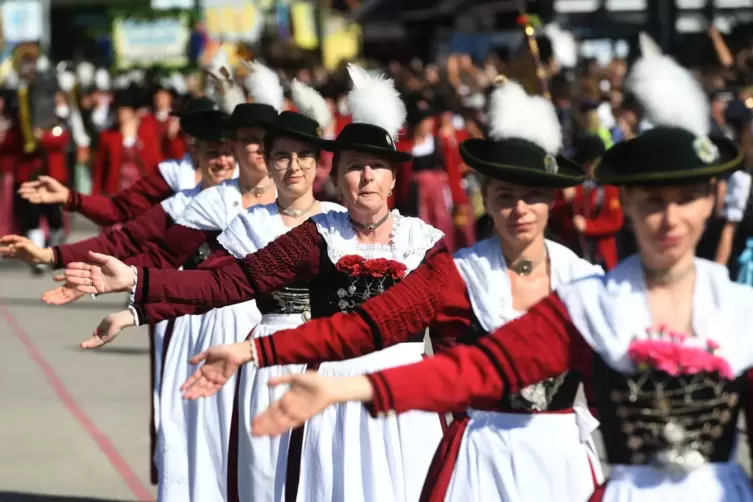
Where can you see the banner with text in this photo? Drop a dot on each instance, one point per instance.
(140, 42)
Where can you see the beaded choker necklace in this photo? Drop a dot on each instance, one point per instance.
(370, 227)
(295, 213)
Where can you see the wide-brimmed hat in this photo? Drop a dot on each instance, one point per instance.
(202, 103)
(251, 115)
(679, 149)
(378, 113)
(367, 138)
(307, 123)
(523, 144)
(297, 126)
(205, 125)
(667, 155)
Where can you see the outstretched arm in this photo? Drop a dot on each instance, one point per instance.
(292, 256)
(172, 250)
(123, 206)
(539, 345)
(122, 243)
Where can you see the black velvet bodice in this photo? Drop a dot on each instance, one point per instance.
(338, 291)
(431, 162)
(677, 422)
(292, 299)
(552, 394)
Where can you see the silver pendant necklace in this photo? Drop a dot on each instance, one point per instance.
(525, 267)
(295, 213)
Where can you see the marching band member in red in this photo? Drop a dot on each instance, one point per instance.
(662, 341)
(36, 146)
(589, 215)
(171, 177)
(343, 259)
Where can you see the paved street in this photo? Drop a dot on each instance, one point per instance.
(73, 425)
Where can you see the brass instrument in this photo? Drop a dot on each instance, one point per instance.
(25, 57)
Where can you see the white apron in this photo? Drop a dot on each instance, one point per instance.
(347, 456)
(259, 469)
(212, 209)
(611, 312)
(519, 457)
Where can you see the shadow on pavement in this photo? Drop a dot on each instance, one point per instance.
(35, 497)
(114, 351)
(36, 302)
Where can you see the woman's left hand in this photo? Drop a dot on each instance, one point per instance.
(109, 328)
(310, 393)
(219, 364)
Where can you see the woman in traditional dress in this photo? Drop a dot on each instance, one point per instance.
(533, 445)
(343, 259)
(663, 340)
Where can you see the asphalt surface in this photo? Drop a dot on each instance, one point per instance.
(74, 424)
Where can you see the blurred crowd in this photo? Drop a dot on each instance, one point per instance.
(106, 131)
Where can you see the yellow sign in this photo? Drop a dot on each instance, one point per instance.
(233, 22)
(341, 43)
(303, 19)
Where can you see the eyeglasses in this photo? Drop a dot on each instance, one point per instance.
(305, 160)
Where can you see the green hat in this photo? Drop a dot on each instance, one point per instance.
(308, 124)
(378, 114)
(679, 149)
(367, 138)
(524, 138)
(667, 155)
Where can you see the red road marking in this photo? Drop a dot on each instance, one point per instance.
(138, 488)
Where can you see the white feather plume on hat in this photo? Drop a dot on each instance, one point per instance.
(85, 73)
(228, 93)
(668, 92)
(374, 100)
(514, 114)
(564, 46)
(102, 80)
(310, 103)
(66, 81)
(264, 85)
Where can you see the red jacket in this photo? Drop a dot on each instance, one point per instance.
(604, 218)
(26, 166)
(108, 160)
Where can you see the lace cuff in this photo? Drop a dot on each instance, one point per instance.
(254, 352)
(132, 294)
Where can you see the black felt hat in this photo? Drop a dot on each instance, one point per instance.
(295, 125)
(252, 115)
(368, 138)
(197, 104)
(588, 148)
(205, 125)
(521, 162)
(667, 156)
(126, 98)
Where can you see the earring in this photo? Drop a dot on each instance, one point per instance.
(389, 194)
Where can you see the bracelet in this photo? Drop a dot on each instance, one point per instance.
(254, 356)
(135, 314)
